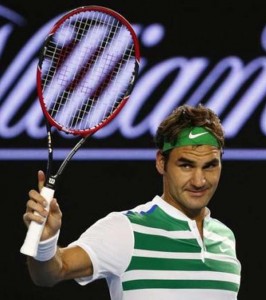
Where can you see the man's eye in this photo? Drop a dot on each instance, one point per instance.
(185, 166)
(211, 166)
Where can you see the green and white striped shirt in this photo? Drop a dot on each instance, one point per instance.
(155, 252)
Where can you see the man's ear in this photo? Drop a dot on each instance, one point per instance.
(160, 161)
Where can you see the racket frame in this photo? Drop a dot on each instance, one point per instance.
(30, 245)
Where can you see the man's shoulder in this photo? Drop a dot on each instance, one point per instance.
(219, 226)
(141, 208)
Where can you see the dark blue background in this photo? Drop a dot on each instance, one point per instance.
(89, 190)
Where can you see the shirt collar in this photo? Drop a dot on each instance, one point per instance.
(173, 211)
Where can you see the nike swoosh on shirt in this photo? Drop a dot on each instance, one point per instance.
(223, 250)
(193, 136)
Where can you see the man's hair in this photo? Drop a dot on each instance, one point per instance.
(188, 116)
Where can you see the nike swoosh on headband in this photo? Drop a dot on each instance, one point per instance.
(193, 136)
(186, 137)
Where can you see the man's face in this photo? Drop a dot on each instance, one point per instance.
(191, 176)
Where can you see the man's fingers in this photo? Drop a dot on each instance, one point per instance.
(41, 179)
(35, 196)
(30, 216)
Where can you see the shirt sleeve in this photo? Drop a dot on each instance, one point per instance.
(109, 242)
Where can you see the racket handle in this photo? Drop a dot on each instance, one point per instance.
(33, 236)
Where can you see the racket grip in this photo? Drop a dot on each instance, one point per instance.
(33, 236)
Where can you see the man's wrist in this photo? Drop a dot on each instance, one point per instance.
(47, 248)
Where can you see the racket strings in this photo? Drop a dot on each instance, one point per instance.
(115, 65)
(85, 79)
(86, 107)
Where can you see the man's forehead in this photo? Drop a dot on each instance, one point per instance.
(194, 152)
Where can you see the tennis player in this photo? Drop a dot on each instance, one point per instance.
(168, 248)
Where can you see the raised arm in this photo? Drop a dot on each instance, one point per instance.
(52, 263)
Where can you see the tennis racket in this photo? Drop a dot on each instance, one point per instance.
(86, 72)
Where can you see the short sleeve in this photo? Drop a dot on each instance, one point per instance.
(109, 242)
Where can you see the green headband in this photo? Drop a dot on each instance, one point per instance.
(192, 136)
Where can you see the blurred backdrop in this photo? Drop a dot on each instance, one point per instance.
(191, 52)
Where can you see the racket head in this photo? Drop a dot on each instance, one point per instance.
(87, 69)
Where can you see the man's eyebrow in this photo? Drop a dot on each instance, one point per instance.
(185, 160)
(189, 161)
